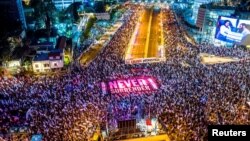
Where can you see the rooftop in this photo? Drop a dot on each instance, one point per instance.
(41, 57)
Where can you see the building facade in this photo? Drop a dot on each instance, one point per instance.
(45, 62)
(196, 5)
(211, 16)
(202, 16)
(63, 4)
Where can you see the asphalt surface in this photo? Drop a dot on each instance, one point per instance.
(139, 49)
(155, 35)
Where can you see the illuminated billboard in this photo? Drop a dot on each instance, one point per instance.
(232, 30)
(130, 85)
(244, 29)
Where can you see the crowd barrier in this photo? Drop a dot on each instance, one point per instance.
(145, 60)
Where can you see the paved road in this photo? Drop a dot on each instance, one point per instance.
(89, 55)
(155, 35)
(210, 59)
(138, 49)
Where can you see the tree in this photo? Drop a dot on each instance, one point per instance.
(48, 24)
(5, 54)
(75, 13)
(89, 26)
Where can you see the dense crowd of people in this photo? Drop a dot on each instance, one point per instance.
(72, 106)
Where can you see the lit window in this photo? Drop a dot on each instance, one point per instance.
(46, 65)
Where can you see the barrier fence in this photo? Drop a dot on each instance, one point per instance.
(145, 60)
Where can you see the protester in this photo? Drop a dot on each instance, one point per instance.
(72, 107)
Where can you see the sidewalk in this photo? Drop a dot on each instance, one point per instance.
(88, 56)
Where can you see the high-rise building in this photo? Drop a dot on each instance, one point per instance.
(196, 6)
(62, 4)
(12, 15)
